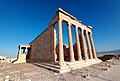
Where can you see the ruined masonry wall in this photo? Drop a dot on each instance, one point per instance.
(41, 47)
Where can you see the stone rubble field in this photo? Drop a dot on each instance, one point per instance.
(109, 70)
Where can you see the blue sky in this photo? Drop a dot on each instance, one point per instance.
(22, 20)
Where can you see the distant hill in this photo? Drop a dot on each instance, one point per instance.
(111, 52)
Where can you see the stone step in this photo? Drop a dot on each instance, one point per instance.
(68, 67)
(47, 67)
(52, 65)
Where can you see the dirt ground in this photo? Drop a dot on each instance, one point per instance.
(106, 71)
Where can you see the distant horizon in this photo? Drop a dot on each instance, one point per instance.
(22, 20)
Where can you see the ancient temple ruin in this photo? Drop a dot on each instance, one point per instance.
(46, 52)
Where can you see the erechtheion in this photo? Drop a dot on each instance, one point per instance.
(46, 52)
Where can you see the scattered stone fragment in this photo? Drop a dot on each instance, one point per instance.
(110, 66)
(109, 61)
(28, 80)
(55, 73)
(8, 78)
(106, 69)
(107, 64)
(85, 76)
(114, 63)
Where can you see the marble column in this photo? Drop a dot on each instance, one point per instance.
(84, 45)
(88, 44)
(93, 47)
(53, 41)
(78, 44)
(70, 43)
(60, 43)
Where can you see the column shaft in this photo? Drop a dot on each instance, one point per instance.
(84, 45)
(53, 41)
(93, 47)
(70, 44)
(78, 44)
(60, 43)
(88, 44)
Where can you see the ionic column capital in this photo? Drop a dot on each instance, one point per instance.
(89, 27)
(86, 32)
(60, 20)
(81, 30)
(76, 26)
(69, 23)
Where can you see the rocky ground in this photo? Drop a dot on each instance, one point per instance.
(109, 70)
